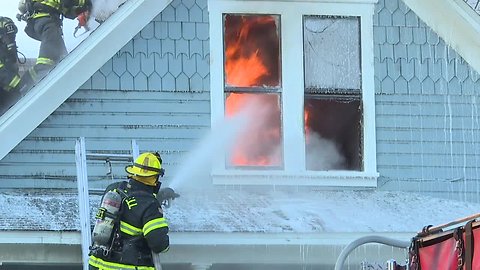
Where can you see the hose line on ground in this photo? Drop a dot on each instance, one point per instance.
(365, 240)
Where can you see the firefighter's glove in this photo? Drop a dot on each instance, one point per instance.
(166, 195)
(83, 18)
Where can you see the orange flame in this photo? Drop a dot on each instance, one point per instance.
(307, 125)
(259, 144)
(244, 60)
(245, 67)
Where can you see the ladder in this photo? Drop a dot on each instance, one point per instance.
(81, 157)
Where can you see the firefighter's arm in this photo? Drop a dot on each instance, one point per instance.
(155, 228)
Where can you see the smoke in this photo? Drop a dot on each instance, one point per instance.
(323, 154)
(259, 143)
(102, 9)
(223, 138)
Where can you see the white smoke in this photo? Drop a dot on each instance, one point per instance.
(323, 154)
(102, 9)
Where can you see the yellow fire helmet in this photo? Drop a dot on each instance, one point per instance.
(147, 164)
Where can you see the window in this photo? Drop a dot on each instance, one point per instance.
(302, 72)
(252, 41)
(332, 93)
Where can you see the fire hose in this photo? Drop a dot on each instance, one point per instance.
(365, 240)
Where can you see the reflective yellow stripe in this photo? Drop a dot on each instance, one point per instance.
(40, 15)
(129, 229)
(32, 73)
(81, 2)
(45, 61)
(154, 224)
(51, 3)
(14, 82)
(104, 265)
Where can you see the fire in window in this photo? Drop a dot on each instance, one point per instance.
(252, 83)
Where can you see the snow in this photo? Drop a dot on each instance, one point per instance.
(250, 210)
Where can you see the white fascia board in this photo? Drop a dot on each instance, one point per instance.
(210, 238)
(75, 69)
(36, 237)
(234, 248)
(460, 29)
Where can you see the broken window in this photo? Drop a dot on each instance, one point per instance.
(303, 72)
(252, 85)
(332, 101)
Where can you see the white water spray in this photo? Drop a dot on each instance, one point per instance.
(195, 170)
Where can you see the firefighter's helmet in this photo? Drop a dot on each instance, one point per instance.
(146, 165)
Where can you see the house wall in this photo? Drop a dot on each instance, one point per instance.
(156, 90)
(426, 105)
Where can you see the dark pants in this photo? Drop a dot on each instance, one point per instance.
(48, 30)
(8, 71)
(7, 99)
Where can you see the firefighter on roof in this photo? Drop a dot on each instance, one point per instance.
(130, 224)
(44, 23)
(9, 77)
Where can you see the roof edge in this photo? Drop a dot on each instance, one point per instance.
(230, 248)
(460, 29)
(211, 238)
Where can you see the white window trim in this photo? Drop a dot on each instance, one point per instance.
(291, 12)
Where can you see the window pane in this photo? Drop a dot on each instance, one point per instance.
(260, 143)
(252, 51)
(333, 133)
(332, 53)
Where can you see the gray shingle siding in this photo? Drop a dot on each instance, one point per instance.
(426, 105)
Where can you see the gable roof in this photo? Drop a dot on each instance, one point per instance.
(75, 69)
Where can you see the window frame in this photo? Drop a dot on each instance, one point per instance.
(291, 20)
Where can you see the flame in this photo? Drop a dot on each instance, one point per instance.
(244, 59)
(259, 144)
(249, 63)
(306, 119)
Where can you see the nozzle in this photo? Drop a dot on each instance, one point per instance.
(166, 195)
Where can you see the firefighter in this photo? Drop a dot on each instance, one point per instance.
(44, 23)
(9, 77)
(142, 229)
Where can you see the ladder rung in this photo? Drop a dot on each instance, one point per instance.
(111, 157)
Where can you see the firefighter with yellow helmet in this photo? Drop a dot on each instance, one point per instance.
(9, 77)
(130, 224)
